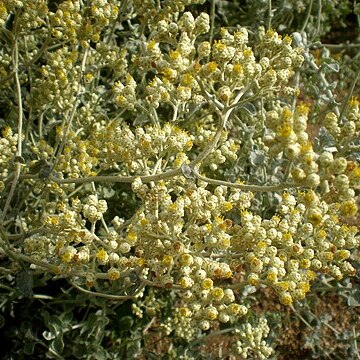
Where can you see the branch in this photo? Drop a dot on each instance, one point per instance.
(108, 296)
(253, 188)
(18, 158)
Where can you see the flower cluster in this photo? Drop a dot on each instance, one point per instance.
(117, 146)
(286, 252)
(287, 135)
(31, 14)
(251, 343)
(154, 13)
(94, 209)
(8, 145)
(54, 85)
(77, 24)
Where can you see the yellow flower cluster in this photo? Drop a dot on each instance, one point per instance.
(31, 16)
(286, 253)
(8, 145)
(78, 24)
(117, 146)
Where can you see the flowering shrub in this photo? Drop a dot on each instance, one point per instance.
(149, 154)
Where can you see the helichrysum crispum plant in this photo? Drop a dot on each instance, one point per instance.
(146, 150)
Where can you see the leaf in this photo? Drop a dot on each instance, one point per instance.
(48, 335)
(356, 156)
(56, 325)
(78, 350)
(257, 158)
(134, 348)
(29, 347)
(324, 141)
(46, 317)
(101, 354)
(58, 344)
(108, 193)
(313, 88)
(24, 282)
(298, 38)
(152, 355)
(332, 86)
(324, 98)
(249, 108)
(187, 171)
(316, 45)
(354, 298)
(249, 289)
(332, 67)
(125, 323)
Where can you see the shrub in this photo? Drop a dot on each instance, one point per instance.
(159, 171)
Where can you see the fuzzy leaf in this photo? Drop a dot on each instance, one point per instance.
(354, 298)
(249, 108)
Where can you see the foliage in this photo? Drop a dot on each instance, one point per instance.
(176, 174)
